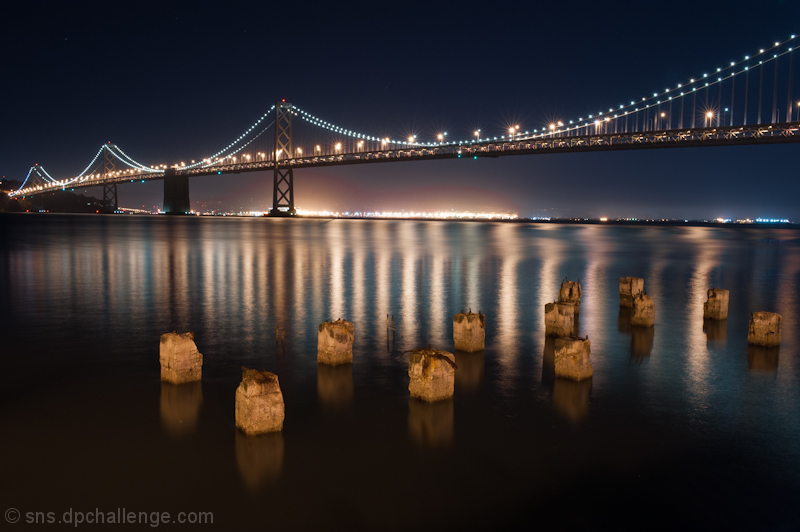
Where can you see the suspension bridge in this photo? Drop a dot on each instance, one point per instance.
(728, 106)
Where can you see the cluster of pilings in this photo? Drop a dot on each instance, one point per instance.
(259, 404)
(259, 401)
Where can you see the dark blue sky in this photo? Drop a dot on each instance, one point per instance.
(170, 81)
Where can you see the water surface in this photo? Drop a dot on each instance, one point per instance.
(680, 422)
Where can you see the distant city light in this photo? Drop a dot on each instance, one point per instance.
(437, 215)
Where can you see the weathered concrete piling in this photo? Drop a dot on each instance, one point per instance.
(469, 331)
(644, 310)
(335, 342)
(765, 329)
(431, 374)
(572, 358)
(570, 292)
(180, 359)
(628, 288)
(716, 308)
(559, 319)
(259, 402)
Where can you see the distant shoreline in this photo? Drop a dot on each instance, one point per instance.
(666, 223)
(552, 221)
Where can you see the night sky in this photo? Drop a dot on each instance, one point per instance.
(171, 81)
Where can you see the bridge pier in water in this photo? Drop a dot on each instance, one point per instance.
(176, 192)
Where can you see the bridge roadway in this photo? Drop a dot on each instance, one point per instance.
(683, 138)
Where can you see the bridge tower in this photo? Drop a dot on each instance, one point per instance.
(283, 183)
(109, 189)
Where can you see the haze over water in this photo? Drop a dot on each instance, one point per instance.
(681, 423)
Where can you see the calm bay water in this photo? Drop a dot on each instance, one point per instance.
(681, 425)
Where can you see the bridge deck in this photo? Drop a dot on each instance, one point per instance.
(684, 138)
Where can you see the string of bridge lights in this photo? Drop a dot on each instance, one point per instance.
(692, 81)
(679, 91)
(133, 164)
(627, 109)
(80, 178)
(210, 162)
(232, 144)
(336, 129)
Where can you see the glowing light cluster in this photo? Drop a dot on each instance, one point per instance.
(438, 215)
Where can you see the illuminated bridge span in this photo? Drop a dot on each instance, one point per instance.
(750, 101)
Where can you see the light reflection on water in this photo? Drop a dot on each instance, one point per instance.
(91, 295)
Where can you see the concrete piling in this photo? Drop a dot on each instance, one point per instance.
(180, 360)
(469, 331)
(335, 342)
(644, 311)
(570, 292)
(765, 329)
(572, 358)
(259, 402)
(431, 374)
(716, 308)
(559, 319)
(628, 288)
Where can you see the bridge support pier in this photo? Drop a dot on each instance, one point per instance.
(283, 193)
(110, 203)
(110, 196)
(283, 179)
(176, 193)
